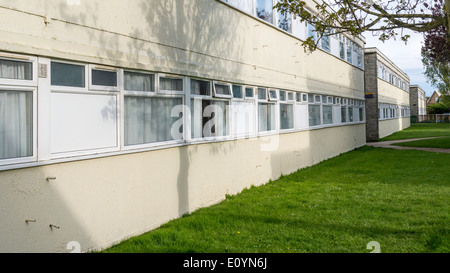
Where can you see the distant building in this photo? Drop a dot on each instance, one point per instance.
(418, 101)
(387, 96)
(434, 98)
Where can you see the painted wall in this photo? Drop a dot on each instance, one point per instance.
(390, 126)
(98, 202)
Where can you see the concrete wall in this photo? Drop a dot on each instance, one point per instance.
(99, 200)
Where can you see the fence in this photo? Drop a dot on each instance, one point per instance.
(435, 118)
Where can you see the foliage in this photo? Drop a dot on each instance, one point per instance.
(436, 53)
(438, 108)
(382, 18)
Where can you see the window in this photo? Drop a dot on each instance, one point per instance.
(266, 111)
(200, 87)
(170, 84)
(64, 74)
(343, 110)
(349, 51)
(237, 91)
(262, 94)
(244, 5)
(327, 114)
(149, 118)
(291, 96)
(222, 90)
(209, 118)
(134, 81)
(249, 92)
(325, 41)
(285, 21)
(103, 78)
(243, 113)
(301, 111)
(286, 110)
(264, 10)
(266, 117)
(283, 95)
(314, 110)
(341, 50)
(350, 114)
(16, 124)
(273, 96)
(311, 31)
(286, 116)
(16, 70)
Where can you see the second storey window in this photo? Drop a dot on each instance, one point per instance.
(264, 10)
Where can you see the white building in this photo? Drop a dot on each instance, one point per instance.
(118, 116)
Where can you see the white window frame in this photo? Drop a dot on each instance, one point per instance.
(271, 91)
(21, 58)
(242, 91)
(317, 101)
(107, 69)
(293, 96)
(20, 160)
(290, 102)
(170, 76)
(201, 96)
(245, 92)
(268, 101)
(225, 96)
(266, 91)
(70, 88)
(131, 92)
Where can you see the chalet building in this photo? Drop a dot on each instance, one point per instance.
(118, 116)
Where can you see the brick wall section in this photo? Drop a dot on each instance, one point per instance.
(414, 100)
(371, 89)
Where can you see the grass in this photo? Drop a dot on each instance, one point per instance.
(419, 130)
(443, 142)
(399, 198)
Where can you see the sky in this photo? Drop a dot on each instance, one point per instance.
(405, 56)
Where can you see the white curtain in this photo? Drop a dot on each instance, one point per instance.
(149, 120)
(15, 70)
(171, 84)
(16, 124)
(266, 117)
(138, 82)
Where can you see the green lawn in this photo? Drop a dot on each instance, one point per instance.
(399, 198)
(443, 142)
(419, 130)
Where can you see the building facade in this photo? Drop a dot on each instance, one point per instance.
(118, 116)
(418, 102)
(387, 96)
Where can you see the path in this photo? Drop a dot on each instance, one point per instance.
(389, 144)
